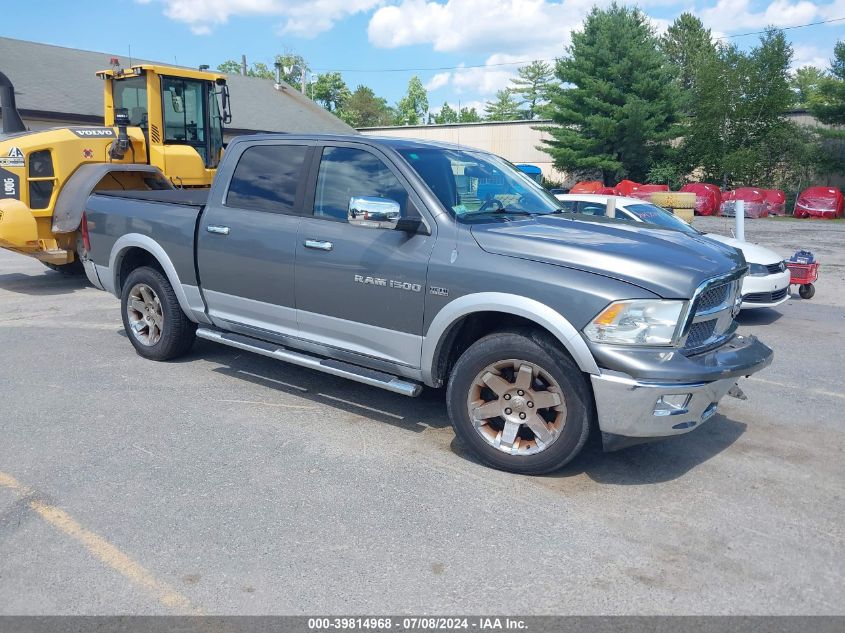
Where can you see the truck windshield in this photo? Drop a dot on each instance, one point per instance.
(478, 187)
(647, 212)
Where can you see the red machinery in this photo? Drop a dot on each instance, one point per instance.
(755, 202)
(708, 197)
(819, 202)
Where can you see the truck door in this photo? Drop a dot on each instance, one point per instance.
(247, 238)
(357, 288)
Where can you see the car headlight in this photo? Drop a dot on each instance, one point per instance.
(757, 270)
(636, 322)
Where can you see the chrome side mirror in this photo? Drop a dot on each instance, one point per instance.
(373, 212)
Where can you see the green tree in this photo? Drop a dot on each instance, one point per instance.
(292, 68)
(413, 106)
(364, 109)
(447, 114)
(617, 107)
(330, 91)
(504, 108)
(468, 115)
(805, 84)
(739, 133)
(258, 69)
(230, 67)
(532, 86)
(683, 44)
(828, 103)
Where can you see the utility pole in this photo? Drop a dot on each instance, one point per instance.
(243, 65)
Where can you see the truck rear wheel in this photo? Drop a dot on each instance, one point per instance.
(152, 317)
(520, 402)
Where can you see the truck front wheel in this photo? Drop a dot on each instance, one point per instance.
(520, 402)
(152, 317)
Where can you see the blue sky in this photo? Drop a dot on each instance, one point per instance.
(368, 38)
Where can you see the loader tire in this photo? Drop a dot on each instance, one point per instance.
(674, 199)
(73, 269)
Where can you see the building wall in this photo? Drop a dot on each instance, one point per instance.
(517, 141)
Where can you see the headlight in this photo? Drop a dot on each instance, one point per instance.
(636, 322)
(757, 270)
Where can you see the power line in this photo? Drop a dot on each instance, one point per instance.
(528, 61)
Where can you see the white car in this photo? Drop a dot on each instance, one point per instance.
(765, 286)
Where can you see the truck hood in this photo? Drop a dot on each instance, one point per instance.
(669, 263)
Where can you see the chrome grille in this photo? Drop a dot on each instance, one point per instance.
(713, 298)
(712, 320)
(700, 332)
(774, 269)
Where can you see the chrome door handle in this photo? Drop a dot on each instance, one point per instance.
(319, 245)
(220, 230)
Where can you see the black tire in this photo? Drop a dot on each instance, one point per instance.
(806, 291)
(538, 348)
(177, 333)
(73, 269)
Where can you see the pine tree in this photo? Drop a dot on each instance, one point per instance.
(617, 105)
(532, 86)
(684, 42)
(447, 114)
(503, 108)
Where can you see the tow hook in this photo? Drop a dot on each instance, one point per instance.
(736, 392)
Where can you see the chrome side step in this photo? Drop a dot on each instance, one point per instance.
(325, 365)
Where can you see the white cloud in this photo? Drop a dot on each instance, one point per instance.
(305, 18)
(811, 56)
(438, 81)
(731, 15)
(515, 26)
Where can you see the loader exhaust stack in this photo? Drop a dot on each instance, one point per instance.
(12, 122)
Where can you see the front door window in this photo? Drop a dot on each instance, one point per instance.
(184, 109)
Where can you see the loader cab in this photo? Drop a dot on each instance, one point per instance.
(181, 113)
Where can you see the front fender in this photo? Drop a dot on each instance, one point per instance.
(530, 309)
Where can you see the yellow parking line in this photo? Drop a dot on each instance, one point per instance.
(100, 548)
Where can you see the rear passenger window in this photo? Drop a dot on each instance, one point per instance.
(346, 173)
(266, 178)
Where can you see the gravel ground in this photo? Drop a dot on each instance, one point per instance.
(229, 483)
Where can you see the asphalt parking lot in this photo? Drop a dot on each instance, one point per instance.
(229, 483)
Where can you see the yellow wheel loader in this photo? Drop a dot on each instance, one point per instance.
(163, 127)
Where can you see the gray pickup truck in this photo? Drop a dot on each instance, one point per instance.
(376, 260)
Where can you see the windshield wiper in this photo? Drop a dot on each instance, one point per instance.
(502, 212)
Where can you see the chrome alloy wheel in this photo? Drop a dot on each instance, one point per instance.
(145, 316)
(516, 407)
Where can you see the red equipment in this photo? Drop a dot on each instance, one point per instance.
(803, 275)
(627, 187)
(708, 197)
(775, 201)
(755, 202)
(587, 186)
(819, 202)
(644, 191)
(607, 191)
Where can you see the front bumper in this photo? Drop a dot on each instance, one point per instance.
(766, 291)
(663, 403)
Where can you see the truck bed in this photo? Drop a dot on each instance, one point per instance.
(165, 219)
(190, 197)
